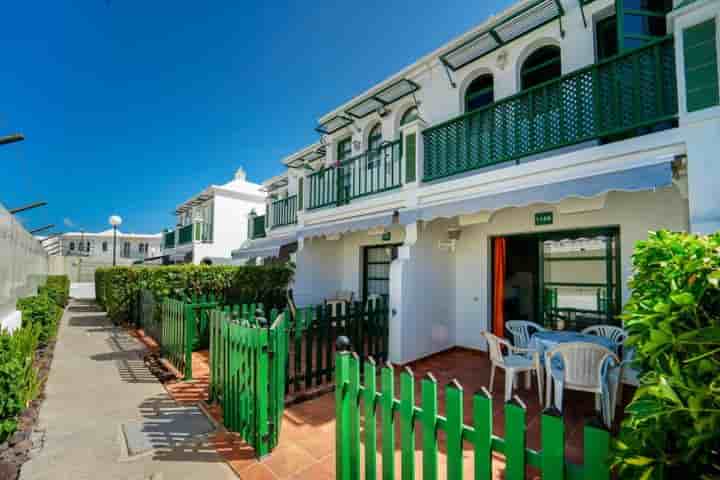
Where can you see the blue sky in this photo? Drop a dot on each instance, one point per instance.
(132, 106)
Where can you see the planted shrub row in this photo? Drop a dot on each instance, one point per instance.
(117, 287)
(19, 383)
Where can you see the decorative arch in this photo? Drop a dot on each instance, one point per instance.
(530, 50)
(479, 93)
(467, 81)
(373, 135)
(398, 114)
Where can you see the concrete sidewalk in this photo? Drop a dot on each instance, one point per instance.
(98, 394)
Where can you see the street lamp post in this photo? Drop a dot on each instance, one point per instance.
(115, 221)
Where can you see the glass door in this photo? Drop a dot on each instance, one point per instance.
(376, 270)
(579, 279)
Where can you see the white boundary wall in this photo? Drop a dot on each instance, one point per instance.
(23, 267)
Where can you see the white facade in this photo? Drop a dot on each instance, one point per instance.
(99, 246)
(441, 281)
(214, 222)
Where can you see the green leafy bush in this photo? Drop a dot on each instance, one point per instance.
(43, 311)
(672, 428)
(18, 376)
(116, 287)
(58, 287)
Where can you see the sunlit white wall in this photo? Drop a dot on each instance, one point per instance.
(23, 266)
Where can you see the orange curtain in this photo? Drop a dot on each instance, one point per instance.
(498, 324)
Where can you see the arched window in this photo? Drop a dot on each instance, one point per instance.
(72, 245)
(409, 116)
(375, 137)
(541, 66)
(104, 246)
(479, 93)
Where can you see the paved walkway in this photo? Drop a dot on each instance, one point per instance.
(99, 388)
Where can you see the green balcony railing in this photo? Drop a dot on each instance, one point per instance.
(185, 234)
(371, 172)
(625, 95)
(284, 211)
(258, 227)
(169, 239)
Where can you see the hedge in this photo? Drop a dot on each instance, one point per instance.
(116, 287)
(59, 288)
(19, 383)
(672, 425)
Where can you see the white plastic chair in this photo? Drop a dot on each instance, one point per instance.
(522, 330)
(583, 364)
(616, 334)
(517, 360)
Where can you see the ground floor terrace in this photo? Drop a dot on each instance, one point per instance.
(564, 265)
(142, 428)
(307, 445)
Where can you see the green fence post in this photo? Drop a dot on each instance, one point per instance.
(262, 383)
(370, 421)
(514, 440)
(596, 452)
(342, 410)
(454, 412)
(482, 423)
(189, 339)
(552, 432)
(354, 416)
(407, 424)
(429, 422)
(387, 403)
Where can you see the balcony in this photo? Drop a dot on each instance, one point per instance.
(169, 239)
(284, 212)
(194, 232)
(185, 234)
(372, 172)
(258, 227)
(624, 96)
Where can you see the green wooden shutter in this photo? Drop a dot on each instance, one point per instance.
(300, 194)
(410, 148)
(701, 69)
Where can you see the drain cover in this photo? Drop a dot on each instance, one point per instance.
(172, 426)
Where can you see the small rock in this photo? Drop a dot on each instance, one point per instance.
(22, 447)
(19, 437)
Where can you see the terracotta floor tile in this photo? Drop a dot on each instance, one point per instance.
(316, 471)
(258, 472)
(288, 459)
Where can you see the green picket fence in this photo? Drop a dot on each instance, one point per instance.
(184, 328)
(247, 374)
(378, 403)
(311, 356)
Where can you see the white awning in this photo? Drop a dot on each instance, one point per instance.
(366, 223)
(631, 180)
(267, 247)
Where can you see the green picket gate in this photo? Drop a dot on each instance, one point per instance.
(184, 328)
(378, 403)
(247, 374)
(174, 335)
(311, 362)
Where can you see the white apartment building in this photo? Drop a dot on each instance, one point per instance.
(508, 174)
(128, 247)
(213, 222)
